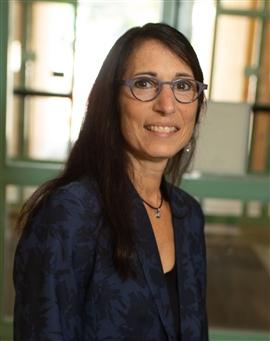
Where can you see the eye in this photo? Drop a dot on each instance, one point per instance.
(144, 83)
(184, 85)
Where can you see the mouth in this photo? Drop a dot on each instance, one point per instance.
(161, 129)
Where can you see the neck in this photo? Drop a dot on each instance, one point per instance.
(146, 177)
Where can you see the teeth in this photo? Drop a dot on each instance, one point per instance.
(161, 129)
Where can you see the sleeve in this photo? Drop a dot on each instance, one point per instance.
(53, 263)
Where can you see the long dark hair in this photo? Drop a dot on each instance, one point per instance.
(99, 150)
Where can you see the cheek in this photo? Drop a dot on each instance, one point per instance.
(125, 127)
(123, 119)
(130, 115)
(128, 123)
(189, 117)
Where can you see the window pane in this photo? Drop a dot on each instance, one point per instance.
(15, 52)
(233, 54)
(41, 52)
(48, 127)
(241, 4)
(261, 128)
(13, 126)
(50, 47)
(264, 84)
(45, 129)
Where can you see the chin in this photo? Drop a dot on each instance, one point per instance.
(164, 154)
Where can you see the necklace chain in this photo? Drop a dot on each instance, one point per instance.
(156, 209)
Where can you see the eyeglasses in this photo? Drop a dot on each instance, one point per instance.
(146, 89)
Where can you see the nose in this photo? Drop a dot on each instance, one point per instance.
(165, 101)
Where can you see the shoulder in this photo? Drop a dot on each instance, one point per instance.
(191, 221)
(81, 194)
(69, 212)
(185, 205)
(74, 201)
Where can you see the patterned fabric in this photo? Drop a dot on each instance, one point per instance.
(67, 287)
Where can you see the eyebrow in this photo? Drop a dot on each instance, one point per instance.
(154, 74)
(150, 73)
(184, 74)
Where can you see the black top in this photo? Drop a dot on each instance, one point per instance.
(171, 280)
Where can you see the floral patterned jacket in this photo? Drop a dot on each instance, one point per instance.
(67, 288)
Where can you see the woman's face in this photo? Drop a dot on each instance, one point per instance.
(158, 129)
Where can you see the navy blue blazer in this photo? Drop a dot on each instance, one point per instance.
(67, 287)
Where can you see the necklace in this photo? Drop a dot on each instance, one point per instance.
(156, 209)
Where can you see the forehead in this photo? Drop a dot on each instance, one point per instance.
(155, 57)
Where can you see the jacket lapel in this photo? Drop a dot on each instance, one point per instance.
(148, 255)
(187, 286)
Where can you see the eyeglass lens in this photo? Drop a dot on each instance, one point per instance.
(185, 90)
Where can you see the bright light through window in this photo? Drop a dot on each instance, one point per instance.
(202, 33)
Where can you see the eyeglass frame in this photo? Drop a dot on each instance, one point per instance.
(130, 82)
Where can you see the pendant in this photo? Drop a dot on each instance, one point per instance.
(157, 213)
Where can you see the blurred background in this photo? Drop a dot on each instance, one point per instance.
(50, 54)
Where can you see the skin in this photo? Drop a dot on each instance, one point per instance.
(149, 150)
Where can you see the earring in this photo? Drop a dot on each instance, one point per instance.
(188, 148)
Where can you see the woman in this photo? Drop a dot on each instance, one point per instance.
(110, 250)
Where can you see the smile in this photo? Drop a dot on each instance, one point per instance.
(162, 129)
